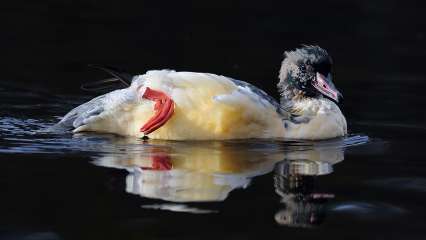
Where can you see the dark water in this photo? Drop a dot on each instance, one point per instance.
(369, 185)
(64, 186)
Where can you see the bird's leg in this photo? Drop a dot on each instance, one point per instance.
(164, 108)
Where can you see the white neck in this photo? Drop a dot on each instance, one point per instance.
(315, 118)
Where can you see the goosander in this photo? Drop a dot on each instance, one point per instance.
(165, 104)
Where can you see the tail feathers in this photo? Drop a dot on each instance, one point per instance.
(81, 114)
(98, 107)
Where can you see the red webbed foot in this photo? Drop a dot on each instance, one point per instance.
(164, 108)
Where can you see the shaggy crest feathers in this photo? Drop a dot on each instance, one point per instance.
(307, 53)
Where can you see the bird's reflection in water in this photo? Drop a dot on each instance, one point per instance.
(182, 172)
(193, 171)
(295, 183)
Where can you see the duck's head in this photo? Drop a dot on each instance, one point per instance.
(306, 72)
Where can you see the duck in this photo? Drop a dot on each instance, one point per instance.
(173, 105)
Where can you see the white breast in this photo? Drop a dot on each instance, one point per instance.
(324, 120)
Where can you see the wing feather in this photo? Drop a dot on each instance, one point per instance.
(262, 95)
(95, 108)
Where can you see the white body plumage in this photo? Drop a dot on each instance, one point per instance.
(207, 107)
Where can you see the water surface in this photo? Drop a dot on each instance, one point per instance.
(65, 186)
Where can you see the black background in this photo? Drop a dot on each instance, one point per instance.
(51, 42)
(378, 49)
